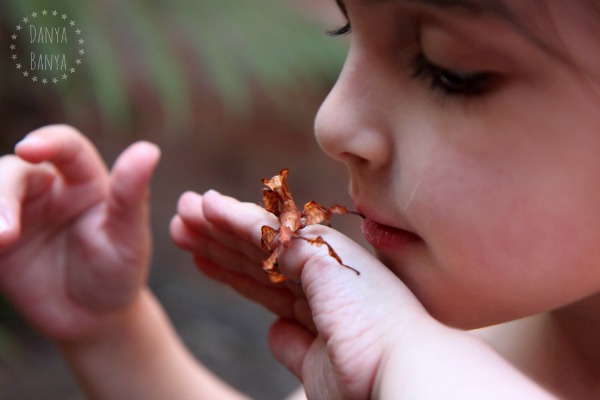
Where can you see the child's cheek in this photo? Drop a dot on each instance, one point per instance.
(495, 235)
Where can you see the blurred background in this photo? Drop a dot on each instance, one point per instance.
(229, 90)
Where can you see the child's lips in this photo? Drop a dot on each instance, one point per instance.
(385, 236)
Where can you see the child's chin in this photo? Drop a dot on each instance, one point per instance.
(471, 320)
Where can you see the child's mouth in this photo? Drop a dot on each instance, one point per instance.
(384, 236)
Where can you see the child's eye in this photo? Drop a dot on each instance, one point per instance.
(452, 82)
(344, 30)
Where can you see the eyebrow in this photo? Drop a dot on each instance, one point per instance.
(466, 4)
(499, 8)
(496, 7)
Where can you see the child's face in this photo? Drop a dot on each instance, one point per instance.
(479, 132)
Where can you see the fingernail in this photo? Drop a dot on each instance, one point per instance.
(31, 140)
(212, 192)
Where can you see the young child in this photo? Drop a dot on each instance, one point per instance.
(469, 129)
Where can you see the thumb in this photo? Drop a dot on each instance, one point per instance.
(130, 179)
(356, 316)
(338, 296)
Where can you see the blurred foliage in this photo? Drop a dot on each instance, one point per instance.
(174, 51)
(165, 60)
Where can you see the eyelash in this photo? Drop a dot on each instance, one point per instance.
(342, 31)
(448, 82)
(451, 82)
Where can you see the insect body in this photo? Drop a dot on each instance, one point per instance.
(278, 200)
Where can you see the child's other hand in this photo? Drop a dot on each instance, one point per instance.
(74, 238)
(336, 328)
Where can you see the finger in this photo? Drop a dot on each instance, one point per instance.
(303, 314)
(19, 181)
(340, 299)
(129, 193)
(316, 242)
(132, 173)
(68, 149)
(184, 237)
(212, 251)
(190, 210)
(243, 220)
(290, 342)
(276, 299)
(309, 357)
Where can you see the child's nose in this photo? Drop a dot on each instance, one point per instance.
(351, 123)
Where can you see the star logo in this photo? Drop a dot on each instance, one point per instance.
(43, 51)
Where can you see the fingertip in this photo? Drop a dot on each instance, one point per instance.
(189, 211)
(242, 219)
(175, 226)
(212, 205)
(140, 153)
(189, 200)
(212, 202)
(132, 172)
(54, 129)
(147, 150)
(33, 148)
(71, 152)
(31, 140)
(212, 193)
(217, 206)
(40, 138)
(178, 232)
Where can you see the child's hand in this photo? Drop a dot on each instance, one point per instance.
(74, 238)
(344, 335)
(337, 327)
